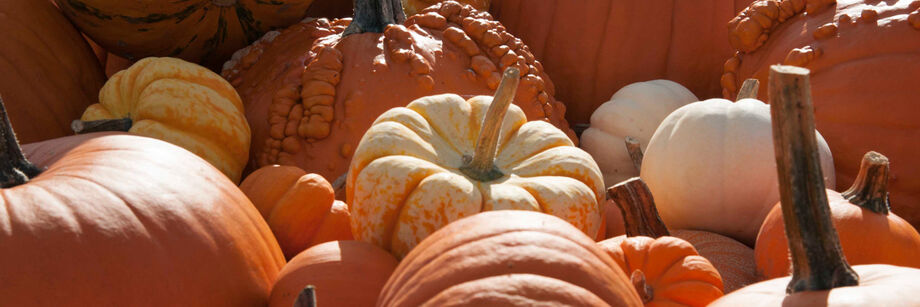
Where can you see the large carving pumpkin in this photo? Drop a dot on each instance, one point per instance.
(204, 31)
(48, 72)
(864, 62)
(593, 48)
(124, 220)
(441, 158)
(311, 92)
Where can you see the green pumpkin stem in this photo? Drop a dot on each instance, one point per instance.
(15, 169)
(748, 89)
(634, 148)
(306, 298)
(118, 124)
(870, 189)
(818, 262)
(637, 206)
(374, 16)
(481, 166)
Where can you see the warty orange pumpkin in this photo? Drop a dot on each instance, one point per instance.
(412, 7)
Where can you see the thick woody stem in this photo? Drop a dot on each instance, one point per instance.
(118, 124)
(306, 298)
(748, 89)
(817, 259)
(637, 206)
(15, 169)
(637, 278)
(481, 166)
(635, 152)
(870, 190)
(374, 16)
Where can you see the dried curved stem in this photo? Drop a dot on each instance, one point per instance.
(306, 298)
(646, 292)
(15, 169)
(481, 166)
(637, 206)
(748, 89)
(817, 259)
(870, 189)
(118, 124)
(374, 16)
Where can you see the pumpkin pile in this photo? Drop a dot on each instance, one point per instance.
(459, 153)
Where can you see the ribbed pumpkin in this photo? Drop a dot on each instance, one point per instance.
(201, 31)
(508, 258)
(862, 55)
(124, 220)
(48, 72)
(869, 234)
(178, 102)
(441, 158)
(311, 92)
(300, 208)
(343, 273)
(593, 48)
(411, 7)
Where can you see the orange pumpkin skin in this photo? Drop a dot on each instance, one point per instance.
(311, 93)
(117, 211)
(865, 236)
(508, 258)
(344, 273)
(733, 259)
(411, 7)
(862, 55)
(50, 73)
(593, 48)
(300, 208)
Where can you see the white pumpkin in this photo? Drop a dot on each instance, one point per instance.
(635, 110)
(711, 166)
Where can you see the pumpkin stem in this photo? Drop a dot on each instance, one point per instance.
(748, 89)
(83, 127)
(374, 16)
(645, 291)
(870, 190)
(339, 186)
(817, 259)
(481, 166)
(640, 215)
(306, 298)
(15, 169)
(635, 152)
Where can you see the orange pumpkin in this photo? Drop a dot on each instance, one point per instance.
(312, 91)
(508, 258)
(862, 55)
(49, 72)
(593, 48)
(123, 220)
(411, 7)
(300, 208)
(869, 234)
(343, 273)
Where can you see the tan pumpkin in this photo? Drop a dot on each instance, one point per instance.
(178, 102)
(300, 208)
(441, 158)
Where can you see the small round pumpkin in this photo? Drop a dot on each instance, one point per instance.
(343, 273)
(508, 258)
(300, 208)
(635, 110)
(711, 167)
(178, 102)
(869, 233)
(312, 90)
(441, 158)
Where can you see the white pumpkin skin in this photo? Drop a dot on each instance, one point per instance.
(711, 166)
(635, 110)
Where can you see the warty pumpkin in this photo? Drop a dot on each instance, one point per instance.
(710, 167)
(821, 275)
(869, 233)
(122, 220)
(49, 72)
(508, 258)
(311, 91)
(623, 41)
(441, 158)
(412, 7)
(634, 110)
(862, 55)
(178, 102)
(300, 208)
(201, 31)
(342, 273)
